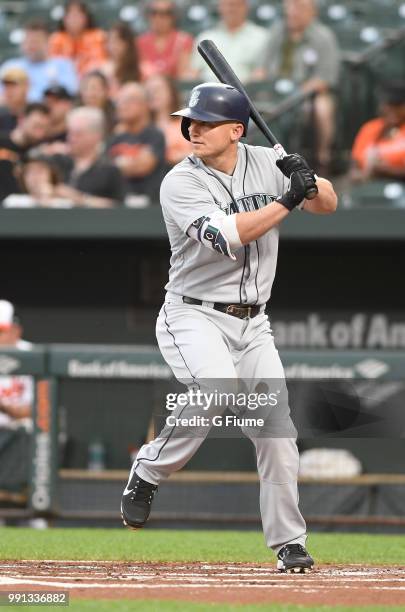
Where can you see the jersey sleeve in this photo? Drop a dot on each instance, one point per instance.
(191, 206)
(185, 199)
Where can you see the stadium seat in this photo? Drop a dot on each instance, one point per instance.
(387, 193)
(266, 13)
(197, 17)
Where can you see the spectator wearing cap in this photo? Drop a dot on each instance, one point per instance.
(60, 103)
(138, 146)
(241, 41)
(163, 49)
(79, 39)
(16, 400)
(32, 129)
(379, 147)
(43, 71)
(91, 179)
(15, 97)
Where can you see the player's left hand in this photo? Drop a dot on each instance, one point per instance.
(294, 163)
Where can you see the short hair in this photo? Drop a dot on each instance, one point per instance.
(94, 117)
(37, 25)
(36, 107)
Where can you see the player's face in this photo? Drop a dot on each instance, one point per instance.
(213, 139)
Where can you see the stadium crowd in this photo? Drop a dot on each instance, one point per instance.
(85, 115)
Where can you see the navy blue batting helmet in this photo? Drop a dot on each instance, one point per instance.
(214, 102)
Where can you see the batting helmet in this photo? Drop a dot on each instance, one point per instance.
(214, 102)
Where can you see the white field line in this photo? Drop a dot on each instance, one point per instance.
(288, 585)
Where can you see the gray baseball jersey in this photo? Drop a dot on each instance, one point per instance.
(195, 197)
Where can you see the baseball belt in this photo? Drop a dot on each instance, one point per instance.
(241, 311)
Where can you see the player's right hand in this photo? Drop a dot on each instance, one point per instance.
(300, 182)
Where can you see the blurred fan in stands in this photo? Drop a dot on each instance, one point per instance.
(379, 147)
(60, 103)
(38, 177)
(304, 51)
(164, 100)
(163, 49)
(94, 92)
(138, 146)
(42, 71)
(122, 65)
(15, 85)
(91, 180)
(241, 41)
(79, 39)
(31, 130)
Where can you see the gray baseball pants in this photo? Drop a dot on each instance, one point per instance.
(200, 343)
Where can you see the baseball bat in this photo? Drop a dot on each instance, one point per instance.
(224, 73)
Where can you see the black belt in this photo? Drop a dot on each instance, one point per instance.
(241, 311)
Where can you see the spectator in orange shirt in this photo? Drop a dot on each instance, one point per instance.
(164, 100)
(163, 49)
(379, 147)
(79, 39)
(122, 65)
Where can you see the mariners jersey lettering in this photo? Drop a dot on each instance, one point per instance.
(195, 197)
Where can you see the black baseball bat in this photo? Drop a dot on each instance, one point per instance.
(224, 73)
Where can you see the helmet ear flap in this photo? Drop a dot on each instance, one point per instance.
(185, 124)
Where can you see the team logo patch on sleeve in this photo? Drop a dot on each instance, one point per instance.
(217, 239)
(203, 230)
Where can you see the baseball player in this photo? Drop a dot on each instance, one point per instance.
(222, 206)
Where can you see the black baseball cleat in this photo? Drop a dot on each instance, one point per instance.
(295, 559)
(136, 502)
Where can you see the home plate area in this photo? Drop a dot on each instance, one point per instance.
(209, 582)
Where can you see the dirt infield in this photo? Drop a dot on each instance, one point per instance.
(209, 582)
